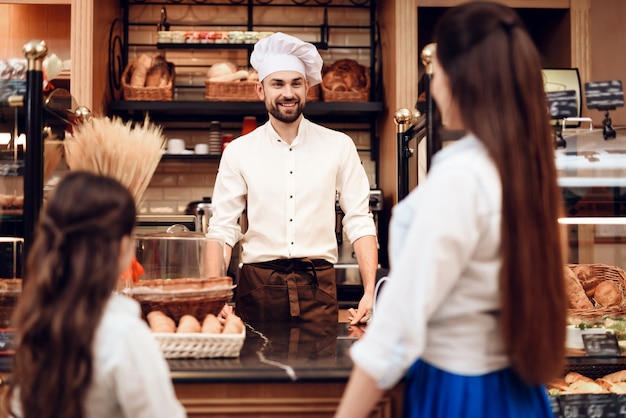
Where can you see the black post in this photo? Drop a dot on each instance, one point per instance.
(402, 118)
(432, 144)
(35, 51)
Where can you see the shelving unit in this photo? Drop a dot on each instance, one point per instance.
(326, 27)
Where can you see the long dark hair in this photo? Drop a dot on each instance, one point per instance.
(494, 72)
(72, 270)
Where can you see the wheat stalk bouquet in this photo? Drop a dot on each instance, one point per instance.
(125, 151)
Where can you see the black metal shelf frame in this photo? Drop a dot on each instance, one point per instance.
(365, 113)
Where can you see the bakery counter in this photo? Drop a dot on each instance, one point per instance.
(280, 353)
(283, 370)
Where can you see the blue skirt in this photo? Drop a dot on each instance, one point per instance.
(433, 393)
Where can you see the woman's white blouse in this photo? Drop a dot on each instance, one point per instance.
(441, 301)
(131, 376)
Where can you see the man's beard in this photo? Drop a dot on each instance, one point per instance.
(285, 118)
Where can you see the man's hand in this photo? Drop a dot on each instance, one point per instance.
(364, 311)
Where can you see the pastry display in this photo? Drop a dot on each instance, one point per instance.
(577, 383)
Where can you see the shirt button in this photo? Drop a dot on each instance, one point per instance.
(291, 197)
(291, 172)
(290, 220)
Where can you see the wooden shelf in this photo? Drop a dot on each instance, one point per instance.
(194, 110)
(36, 2)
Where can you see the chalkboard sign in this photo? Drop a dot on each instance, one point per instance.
(562, 104)
(601, 344)
(604, 95)
(589, 406)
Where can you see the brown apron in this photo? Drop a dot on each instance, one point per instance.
(285, 290)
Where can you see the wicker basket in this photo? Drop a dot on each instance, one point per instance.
(151, 94)
(244, 91)
(604, 272)
(361, 95)
(198, 345)
(178, 297)
(240, 91)
(313, 95)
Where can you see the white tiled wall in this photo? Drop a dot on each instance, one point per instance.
(177, 183)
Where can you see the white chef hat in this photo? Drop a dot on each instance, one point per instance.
(281, 52)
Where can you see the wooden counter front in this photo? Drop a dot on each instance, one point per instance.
(282, 371)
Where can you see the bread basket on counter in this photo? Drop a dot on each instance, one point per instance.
(176, 278)
(199, 345)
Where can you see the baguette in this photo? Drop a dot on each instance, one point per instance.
(237, 76)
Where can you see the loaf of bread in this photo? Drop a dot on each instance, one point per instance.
(220, 69)
(159, 322)
(140, 71)
(576, 295)
(607, 294)
(188, 324)
(211, 325)
(345, 75)
(619, 376)
(159, 73)
(572, 377)
(586, 387)
(613, 387)
(587, 278)
(233, 325)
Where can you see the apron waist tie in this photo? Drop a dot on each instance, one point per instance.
(295, 265)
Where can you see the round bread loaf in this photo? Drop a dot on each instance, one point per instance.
(607, 294)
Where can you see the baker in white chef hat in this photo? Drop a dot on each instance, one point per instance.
(282, 52)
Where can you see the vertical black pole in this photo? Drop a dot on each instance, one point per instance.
(35, 51)
(432, 147)
(402, 118)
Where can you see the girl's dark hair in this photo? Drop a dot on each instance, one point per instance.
(72, 269)
(494, 72)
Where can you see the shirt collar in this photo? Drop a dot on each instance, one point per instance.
(299, 136)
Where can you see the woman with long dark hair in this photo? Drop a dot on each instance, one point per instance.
(81, 350)
(473, 315)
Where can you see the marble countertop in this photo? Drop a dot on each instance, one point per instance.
(271, 352)
(278, 352)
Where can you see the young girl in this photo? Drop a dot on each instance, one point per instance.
(81, 350)
(473, 314)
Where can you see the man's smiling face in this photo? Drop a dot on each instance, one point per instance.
(284, 95)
